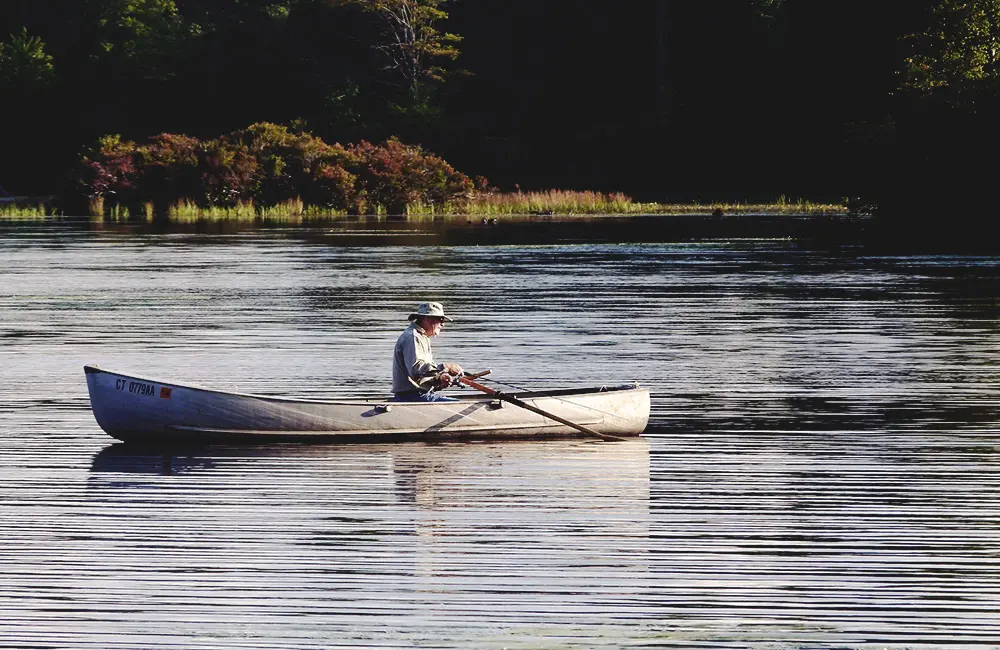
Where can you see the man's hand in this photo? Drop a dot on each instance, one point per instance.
(453, 369)
(445, 380)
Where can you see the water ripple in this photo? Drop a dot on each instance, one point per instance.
(820, 469)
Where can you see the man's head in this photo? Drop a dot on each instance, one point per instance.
(430, 317)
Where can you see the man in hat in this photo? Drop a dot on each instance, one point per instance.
(413, 359)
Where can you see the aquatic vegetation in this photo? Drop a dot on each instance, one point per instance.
(27, 212)
(291, 211)
(577, 203)
(519, 205)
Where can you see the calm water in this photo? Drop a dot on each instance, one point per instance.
(822, 468)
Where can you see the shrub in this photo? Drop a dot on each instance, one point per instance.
(266, 165)
(394, 175)
(168, 168)
(229, 174)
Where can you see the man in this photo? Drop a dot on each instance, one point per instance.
(414, 360)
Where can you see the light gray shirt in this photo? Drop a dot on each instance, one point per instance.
(412, 358)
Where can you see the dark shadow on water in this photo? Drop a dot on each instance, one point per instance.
(825, 230)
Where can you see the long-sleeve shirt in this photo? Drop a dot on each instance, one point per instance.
(412, 357)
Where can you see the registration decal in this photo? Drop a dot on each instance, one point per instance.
(138, 388)
(165, 392)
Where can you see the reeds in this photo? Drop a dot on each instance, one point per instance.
(575, 203)
(25, 212)
(781, 206)
(563, 202)
(290, 211)
(527, 205)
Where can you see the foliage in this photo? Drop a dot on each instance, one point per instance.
(411, 44)
(167, 166)
(686, 102)
(958, 54)
(24, 65)
(108, 172)
(297, 165)
(395, 175)
(491, 203)
(263, 166)
(142, 34)
(30, 212)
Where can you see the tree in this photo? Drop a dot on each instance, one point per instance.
(958, 55)
(143, 36)
(25, 67)
(944, 113)
(412, 45)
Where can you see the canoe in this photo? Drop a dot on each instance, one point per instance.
(140, 409)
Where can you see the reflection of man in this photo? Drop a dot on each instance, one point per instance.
(413, 359)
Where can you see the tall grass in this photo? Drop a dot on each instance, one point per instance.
(15, 212)
(290, 211)
(571, 203)
(567, 202)
(487, 205)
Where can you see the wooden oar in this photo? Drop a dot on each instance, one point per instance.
(469, 381)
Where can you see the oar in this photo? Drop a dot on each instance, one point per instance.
(469, 381)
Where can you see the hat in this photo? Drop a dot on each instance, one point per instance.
(433, 309)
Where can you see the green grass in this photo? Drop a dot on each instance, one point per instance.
(25, 212)
(522, 205)
(292, 211)
(571, 203)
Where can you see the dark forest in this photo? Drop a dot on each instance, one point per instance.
(662, 99)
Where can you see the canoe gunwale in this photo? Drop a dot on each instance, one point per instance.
(371, 399)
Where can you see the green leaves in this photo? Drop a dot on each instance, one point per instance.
(144, 35)
(959, 54)
(25, 67)
(411, 44)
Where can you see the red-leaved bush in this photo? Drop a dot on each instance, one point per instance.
(267, 164)
(394, 175)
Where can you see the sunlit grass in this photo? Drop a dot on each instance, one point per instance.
(566, 202)
(291, 211)
(526, 205)
(573, 203)
(25, 212)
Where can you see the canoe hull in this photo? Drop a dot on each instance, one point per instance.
(138, 409)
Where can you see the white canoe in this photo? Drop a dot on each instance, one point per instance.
(137, 409)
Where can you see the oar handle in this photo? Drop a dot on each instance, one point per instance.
(433, 379)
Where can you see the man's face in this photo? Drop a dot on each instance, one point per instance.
(432, 325)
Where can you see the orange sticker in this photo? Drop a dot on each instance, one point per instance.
(164, 392)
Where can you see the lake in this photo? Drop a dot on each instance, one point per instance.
(821, 470)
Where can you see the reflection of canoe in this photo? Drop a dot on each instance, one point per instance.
(134, 408)
(562, 496)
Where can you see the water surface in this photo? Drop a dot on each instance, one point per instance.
(821, 468)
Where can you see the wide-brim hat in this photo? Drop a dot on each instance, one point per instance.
(432, 309)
